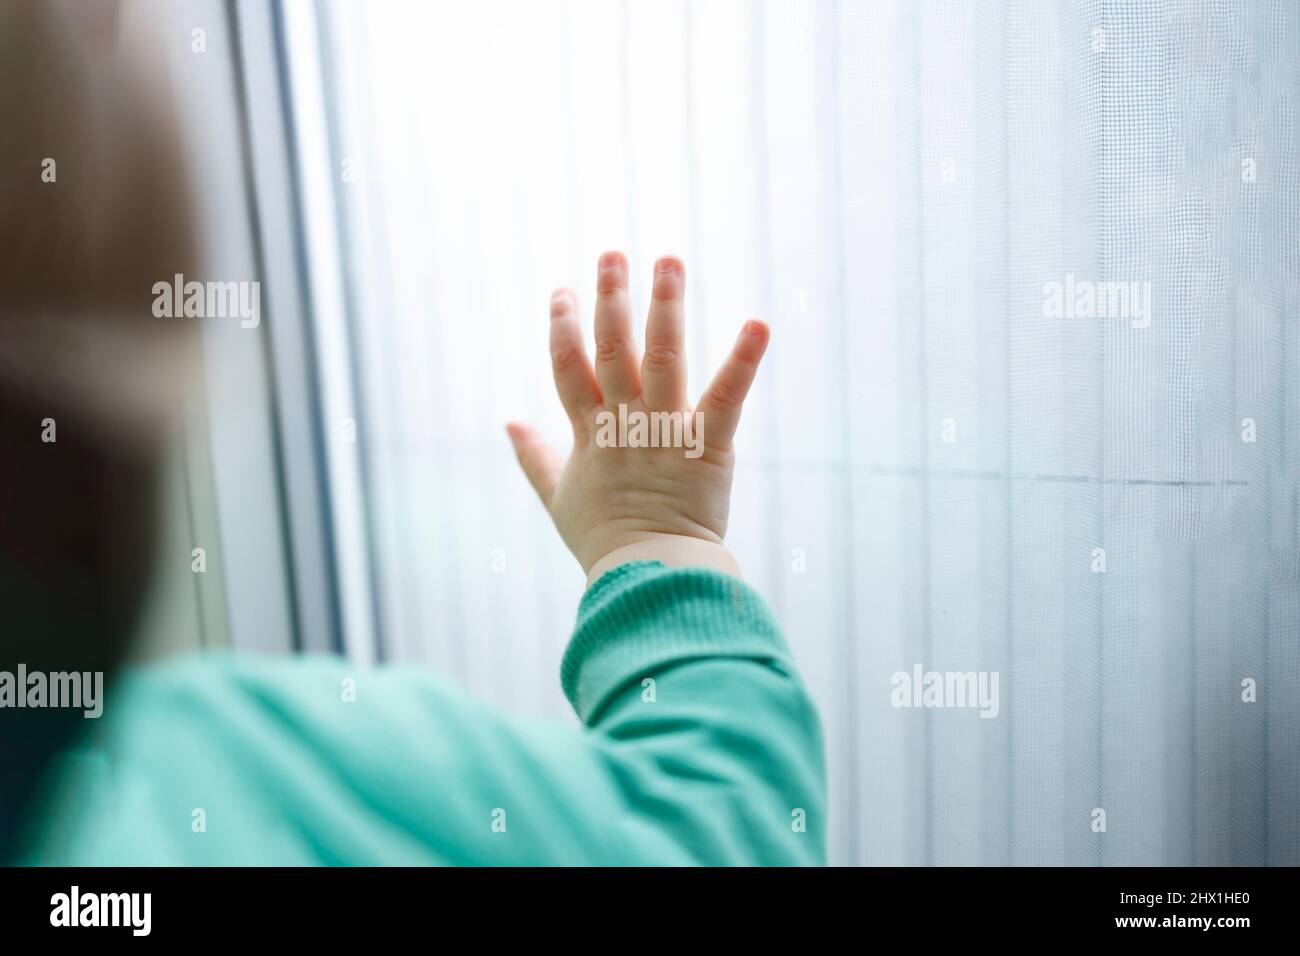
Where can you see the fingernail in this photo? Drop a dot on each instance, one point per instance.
(611, 260)
(668, 264)
(667, 284)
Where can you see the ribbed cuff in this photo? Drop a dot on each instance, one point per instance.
(641, 616)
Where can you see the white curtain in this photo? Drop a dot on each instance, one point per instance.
(935, 470)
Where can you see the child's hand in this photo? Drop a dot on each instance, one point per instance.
(615, 504)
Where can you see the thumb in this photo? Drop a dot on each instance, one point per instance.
(540, 462)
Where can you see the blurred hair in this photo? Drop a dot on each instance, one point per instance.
(79, 345)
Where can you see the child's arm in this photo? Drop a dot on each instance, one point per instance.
(683, 673)
(699, 744)
(689, 693)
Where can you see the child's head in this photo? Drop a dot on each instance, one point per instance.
(93, 211)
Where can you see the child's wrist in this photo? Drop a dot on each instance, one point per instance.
(673, 550)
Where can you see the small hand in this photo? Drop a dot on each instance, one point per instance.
(611, 503)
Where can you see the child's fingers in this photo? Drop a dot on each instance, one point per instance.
(616, 365)
(663, 367)
(540, 462)
(574, 380)
(722, 402)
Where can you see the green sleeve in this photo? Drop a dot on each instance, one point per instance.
(697, 744)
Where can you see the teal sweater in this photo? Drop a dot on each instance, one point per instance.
(698, 745)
